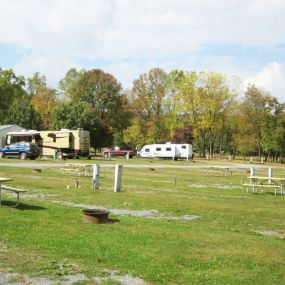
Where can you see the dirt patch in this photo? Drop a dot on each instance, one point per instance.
(270, 233)
(31, 194)
(123, 279)
(151, 214)
(219, 186)
(32, 177)
(15, 278)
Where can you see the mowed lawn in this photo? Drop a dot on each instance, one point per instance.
(203, 229)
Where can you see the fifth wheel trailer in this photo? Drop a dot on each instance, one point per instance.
(70, 143)
(168, 150)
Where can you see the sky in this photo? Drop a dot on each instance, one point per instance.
(244, 38)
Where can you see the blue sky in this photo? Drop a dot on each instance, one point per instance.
(244, 38)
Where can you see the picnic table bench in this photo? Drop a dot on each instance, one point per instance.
(11, 189)
(265, 182)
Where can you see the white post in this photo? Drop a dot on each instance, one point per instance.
(270, 170)
(127, 155)
(252, 173)
(96, 174)
(118, 177)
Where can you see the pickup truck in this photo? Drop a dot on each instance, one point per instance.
(116, 151)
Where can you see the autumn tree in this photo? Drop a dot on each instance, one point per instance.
(147, 103)
(103, 93)
(43, 101)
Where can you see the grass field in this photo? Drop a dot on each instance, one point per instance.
(170, 226)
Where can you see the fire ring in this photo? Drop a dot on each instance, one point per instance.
(95, 216)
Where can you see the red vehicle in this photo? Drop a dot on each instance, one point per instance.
(116, 151)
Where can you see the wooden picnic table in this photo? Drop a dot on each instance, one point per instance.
(266, 182)
(221, 170)
(77, 168)
(3, 180)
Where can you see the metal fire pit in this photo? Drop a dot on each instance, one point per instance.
(95, 216)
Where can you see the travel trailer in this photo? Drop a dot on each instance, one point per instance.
(58, 144)
(168, 150)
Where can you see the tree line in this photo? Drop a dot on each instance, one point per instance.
(207, 109)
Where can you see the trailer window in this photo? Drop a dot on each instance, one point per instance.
(158, 149)
(183, 147)
(168, 149)
(146, 150)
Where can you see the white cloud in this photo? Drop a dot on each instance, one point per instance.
(271, 78)
(130, 37)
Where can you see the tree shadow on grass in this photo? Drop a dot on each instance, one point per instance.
(112, 221)
(21, 206)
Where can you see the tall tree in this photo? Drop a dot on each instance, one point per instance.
(103, 93)
(148, 106)
(67, 85)
(256, 106)
(11, 92)
(36, 83)
(44, 101)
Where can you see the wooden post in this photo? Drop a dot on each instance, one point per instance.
(118, 177)
(96, 174)
(76, 183)
(270, 170)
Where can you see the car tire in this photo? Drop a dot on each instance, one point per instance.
(23, 155)
(1, 154)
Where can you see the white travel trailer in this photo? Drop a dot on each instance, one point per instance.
(168, 150)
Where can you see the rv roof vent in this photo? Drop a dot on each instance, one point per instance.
(168, 142)
(64, 130)
(30, 131)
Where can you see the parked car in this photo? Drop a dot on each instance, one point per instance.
(116, 151)
(20, 150)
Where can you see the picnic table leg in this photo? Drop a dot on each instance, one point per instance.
(18, 199)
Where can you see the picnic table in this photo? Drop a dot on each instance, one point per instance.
(219, 170)
(265, 182)
(15, 190)
(77, 168)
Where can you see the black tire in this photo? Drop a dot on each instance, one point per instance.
(23, 155)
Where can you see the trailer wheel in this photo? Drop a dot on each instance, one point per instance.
(59, 155)
(23, 155)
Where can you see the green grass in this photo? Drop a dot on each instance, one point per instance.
(222, 247)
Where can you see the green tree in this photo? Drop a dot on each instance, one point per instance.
(256, 107)
(24, 116)
(68, 84)
(36, 83)
(11, 92)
